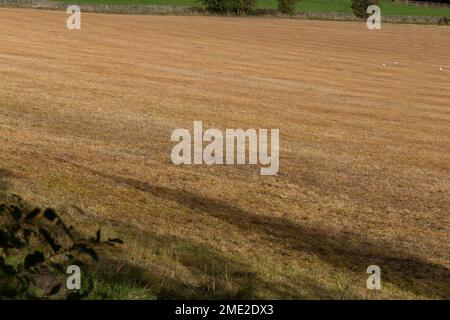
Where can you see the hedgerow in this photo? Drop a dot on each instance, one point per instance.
(236, 7)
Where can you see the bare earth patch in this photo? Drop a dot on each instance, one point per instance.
(364, 119)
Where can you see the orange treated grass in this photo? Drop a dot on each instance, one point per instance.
(364, 120)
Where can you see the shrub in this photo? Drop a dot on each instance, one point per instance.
(444, 21)
(238, 7)
(359, 7)
(287, 6)
(36, 248)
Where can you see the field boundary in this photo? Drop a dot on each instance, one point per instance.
(104, 8)
(424, 4)
(187, 10)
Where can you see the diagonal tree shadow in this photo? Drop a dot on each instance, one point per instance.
(351, 251)
(214, 275)
(218, 275)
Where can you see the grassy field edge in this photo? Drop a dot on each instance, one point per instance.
(178, 10)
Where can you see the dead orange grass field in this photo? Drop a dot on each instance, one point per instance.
(85, 124)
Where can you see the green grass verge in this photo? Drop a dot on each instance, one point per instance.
(388, 8)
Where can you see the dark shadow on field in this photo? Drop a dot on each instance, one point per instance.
(213, 274)
(4, 186)
(352, 251)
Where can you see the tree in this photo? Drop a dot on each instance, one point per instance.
(238, 7)
(287, 6)
(359, 7)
